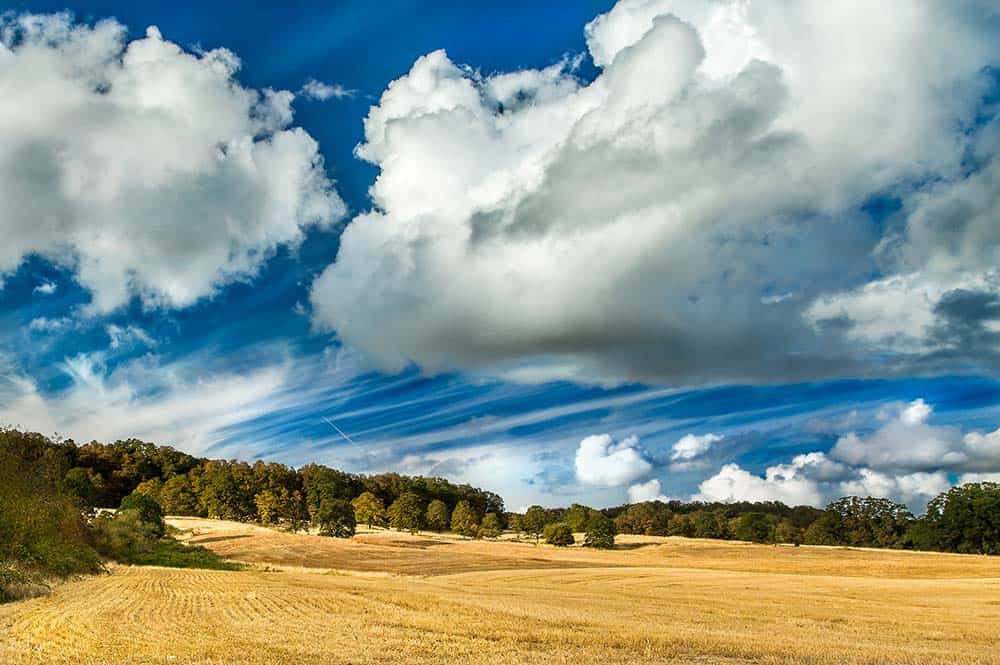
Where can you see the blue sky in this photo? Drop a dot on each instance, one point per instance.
(651, 228)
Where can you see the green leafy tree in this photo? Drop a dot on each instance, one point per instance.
(534, 521)
(84, 483)
(600, 532)
(650, 518)
(681, 525)
(491, 527)
(464, 520)
(178, 497)
(295, 512)
(268, 506)
(966, 519)
(151, 488)
(824, 531)
(407, 512)
(437, 518)
(369, 509)
(335, 517)
(577, 517)
(755, 527)
(147, 510)
(871, 522)
(559, 534)
(514, 522)
(708, 524)
(787, 532)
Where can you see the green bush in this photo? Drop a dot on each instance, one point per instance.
(559, 534)
(43, 531)
(170, 553)
(148, 509)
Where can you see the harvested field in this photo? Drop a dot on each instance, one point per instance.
(653, 601)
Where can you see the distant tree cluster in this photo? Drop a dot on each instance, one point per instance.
(965, 519)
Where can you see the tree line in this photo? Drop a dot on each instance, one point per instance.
(50, 525)
(965, 519)
(51, 493)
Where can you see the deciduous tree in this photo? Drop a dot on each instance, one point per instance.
(438, 518)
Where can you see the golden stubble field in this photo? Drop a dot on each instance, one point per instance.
(387, 597)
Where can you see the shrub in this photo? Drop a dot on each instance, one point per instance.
(147, 508)
(124, 536)
(559, 534)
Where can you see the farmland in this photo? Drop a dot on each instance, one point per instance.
(388, 597)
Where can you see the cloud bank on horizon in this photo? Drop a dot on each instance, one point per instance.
(700, 211)
(907, 458)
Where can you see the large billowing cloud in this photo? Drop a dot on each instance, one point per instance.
(697, 212)
(146, 168)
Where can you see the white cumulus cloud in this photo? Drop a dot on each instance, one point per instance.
(690, 446)
(910, 443)
(784, 483)
(602, 461)
(145, 168)
(647, 491)
(638, 226)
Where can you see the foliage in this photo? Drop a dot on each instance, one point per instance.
(708, 524)
(407, 512)
(534, 522)
(514, 522)
(147, 509)
(648, 518)
(755, 527)
(43, 531)
(464, 520)
(871, 522)
(438, 518)
(491, 526)
(369, 509)
(559, 534)
(600, 532)
(335, 517)
(787, 532)
(965, 519)
(124, 536)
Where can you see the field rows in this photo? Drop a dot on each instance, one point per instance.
(541, 605)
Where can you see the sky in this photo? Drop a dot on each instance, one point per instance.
(589, 252)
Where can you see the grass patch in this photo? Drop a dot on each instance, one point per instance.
(172, 554)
